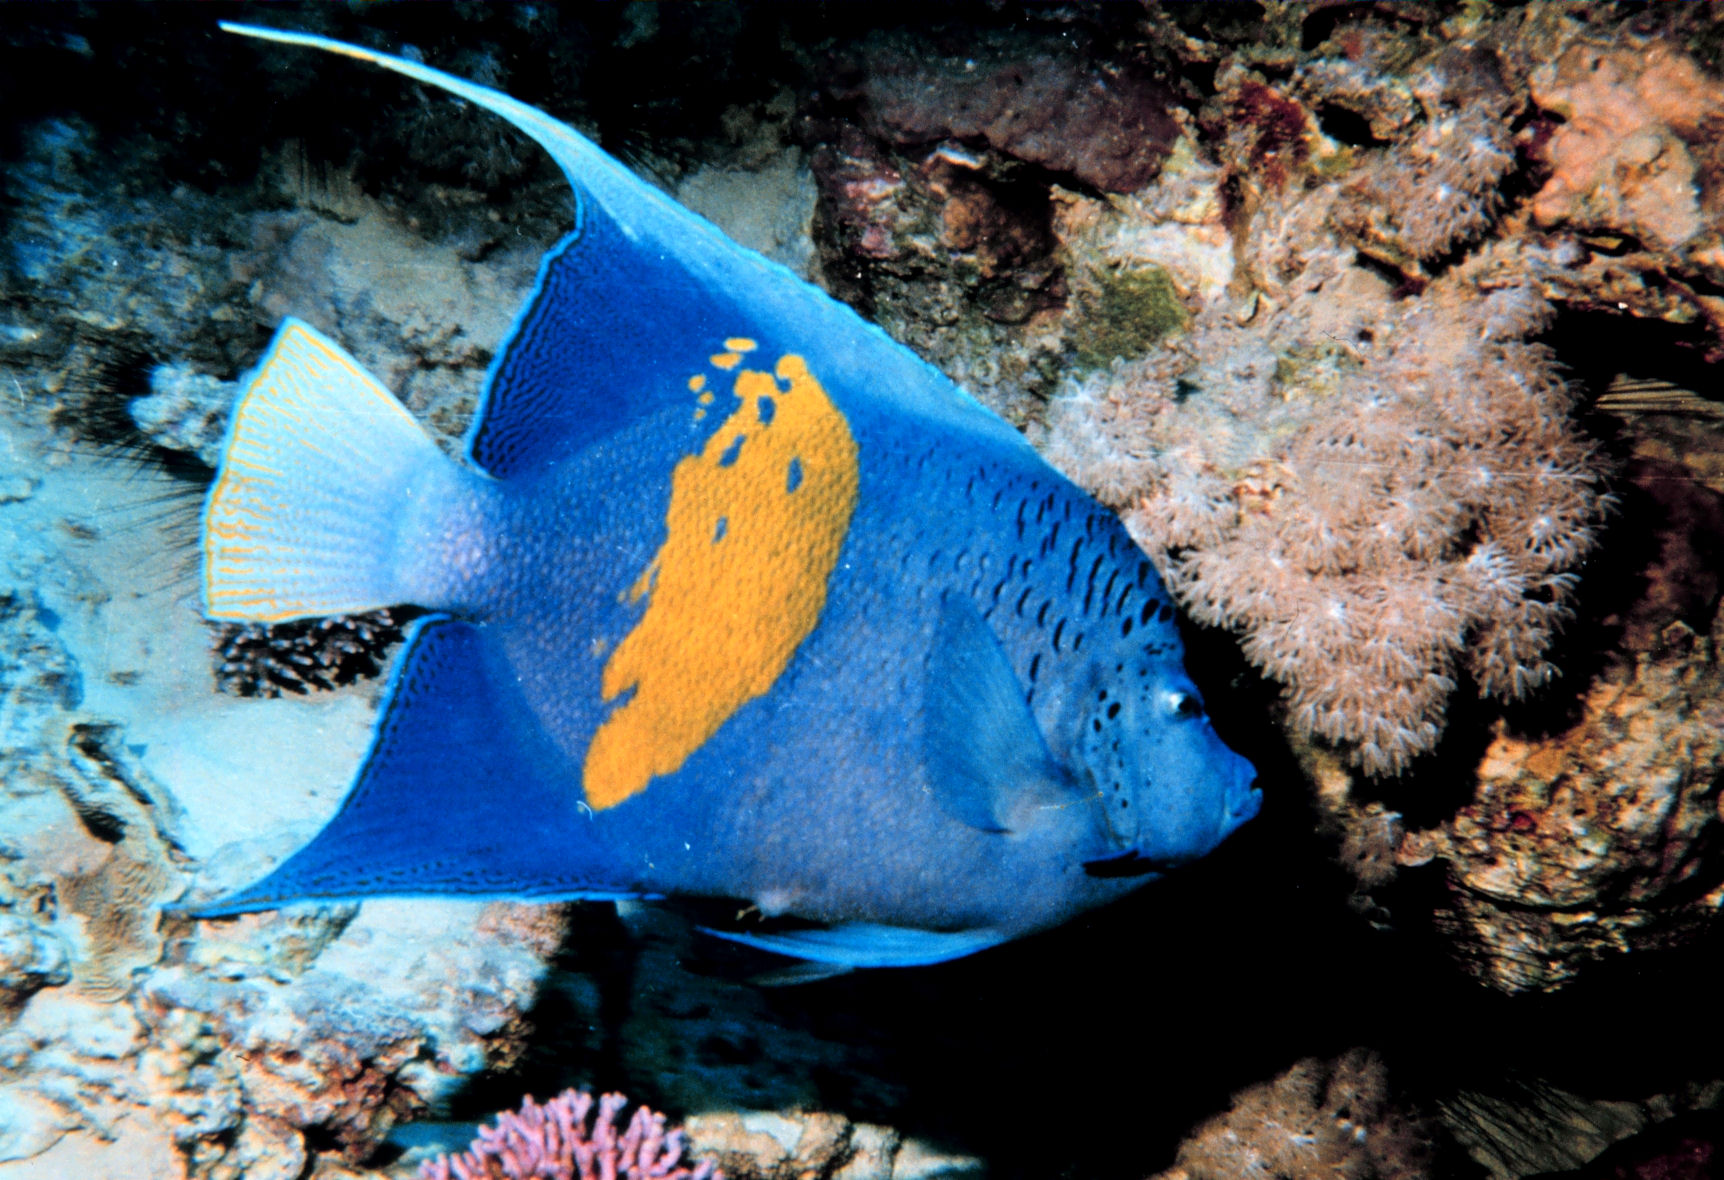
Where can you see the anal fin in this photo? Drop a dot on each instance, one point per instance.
(461, 794)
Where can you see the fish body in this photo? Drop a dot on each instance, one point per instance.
(735, 598)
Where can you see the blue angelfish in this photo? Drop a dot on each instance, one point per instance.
(734, 597)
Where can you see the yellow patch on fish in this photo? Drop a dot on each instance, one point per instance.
(753, 531)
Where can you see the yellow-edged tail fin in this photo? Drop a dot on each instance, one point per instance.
(310, 500)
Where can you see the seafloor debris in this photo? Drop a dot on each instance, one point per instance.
(820, 1145)
(1525, 1126)
(1320, 1119)
(568, 1139)
(185, 411)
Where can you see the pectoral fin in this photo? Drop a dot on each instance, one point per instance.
(988, 764)
(868, 944)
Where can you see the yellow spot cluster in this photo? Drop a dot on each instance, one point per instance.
(753, 531)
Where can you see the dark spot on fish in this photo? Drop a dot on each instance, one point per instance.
(1102, 695)
(1023, 598)
(731, 452)
(1058, 628)
(1125, 627)
(1042, 614)
(1148, 610)
(1142, 573)
(723, 527)
(1077, 642)
(1095, 724)
(1107, 591)
(793, 479)
(766, 408)
(1113, 711)
(1035, 666)
(1089, 590)
(1165, 614)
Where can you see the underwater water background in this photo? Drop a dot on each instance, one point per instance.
(1185, 248)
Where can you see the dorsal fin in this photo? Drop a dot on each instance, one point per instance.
(629, 307)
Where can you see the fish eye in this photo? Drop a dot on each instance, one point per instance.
(1184, 704)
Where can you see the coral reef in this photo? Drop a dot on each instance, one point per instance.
(1629, 150)
(1599, 837)
(1320, 1119)
(1036, 100)
(1597, 840)
(1620, 160)
(133, 1040)
(1371, 516)
(558, 1141)
(1441, 186)
(1286, 273)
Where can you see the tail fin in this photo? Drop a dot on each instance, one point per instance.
(308, 503)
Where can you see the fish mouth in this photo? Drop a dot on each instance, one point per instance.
(1128, 864)
(1243, 806)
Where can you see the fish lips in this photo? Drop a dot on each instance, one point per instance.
(1130, 863)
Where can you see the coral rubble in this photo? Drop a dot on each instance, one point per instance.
(820, 1145)
(1318, 1119)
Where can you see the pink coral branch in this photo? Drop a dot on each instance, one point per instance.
(557, 1142)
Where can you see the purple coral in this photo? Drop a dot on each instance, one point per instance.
(557, 1142)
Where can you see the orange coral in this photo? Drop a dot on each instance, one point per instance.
(1621, 160)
